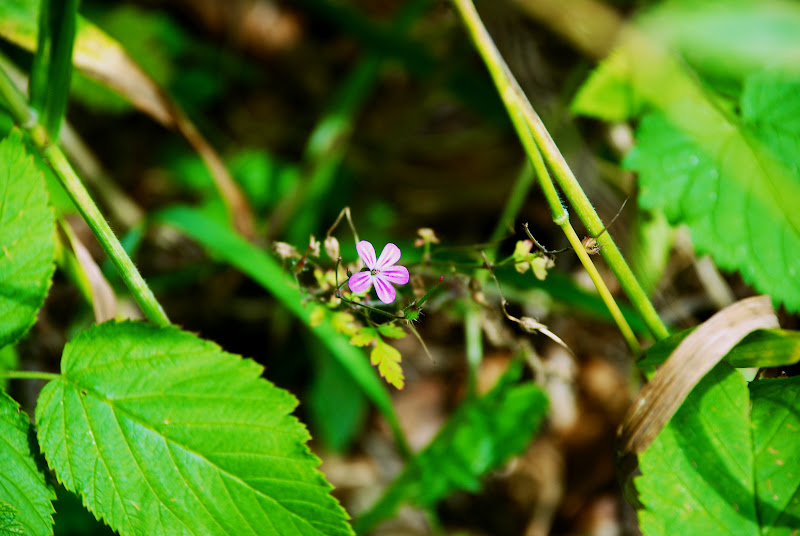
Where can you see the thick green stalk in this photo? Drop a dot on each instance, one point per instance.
(517, 104)
(561, 218)
(83, 201)
(619, 318)
(52, 62)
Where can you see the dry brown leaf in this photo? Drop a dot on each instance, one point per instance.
(104, 301)
(104, 59)
(697, 354)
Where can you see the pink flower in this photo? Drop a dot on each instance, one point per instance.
(382, 272)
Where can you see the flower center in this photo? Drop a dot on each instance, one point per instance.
(374, 271)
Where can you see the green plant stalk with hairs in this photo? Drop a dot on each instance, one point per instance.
(538, 144)
(69, 179)
(511, 94)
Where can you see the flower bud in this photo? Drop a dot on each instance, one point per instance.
(285, 251)
(411, 314)
(332, 247)
(313, 246)
(426, 236)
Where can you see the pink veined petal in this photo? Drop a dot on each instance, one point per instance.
(395, 274)
(384, 290)
(360, 282)
(367, 253)
(389, 256)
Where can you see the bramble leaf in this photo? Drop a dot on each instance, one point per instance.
(222, 242)
(25, 497)
(714, 39)
(388, 361)
(776, 421)
(697, 476)
(734, 184)
(9, 524)
(610, 93)
(720, 467)
(732, 178)
(27, 245)
(163, 433)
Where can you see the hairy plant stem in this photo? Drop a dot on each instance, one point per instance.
(561, 218)
(537, 141)
(25, 118)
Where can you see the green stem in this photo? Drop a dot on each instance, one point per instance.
(613, 308)
(83, 201)
(561, 218)
(514, 202)
(523, 114)
(29, 375)
(474, 346)
(15, 102)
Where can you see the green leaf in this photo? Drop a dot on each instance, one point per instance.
(337, 423)
(95, 53)
(715, 39)
(344, 323)
(761, 348)
(732, 180)
(697, 476)
(9, 360)
(650, 247)
(9, 522)
(733, 183)
(317, 316)
(22, 484)
(609, 92)
(387, 359)
(718, 39)
(27, 245)
(720, 467)
(480, 436)
(162, 432)
(149, 37)
(234, 250)
(52, 63)
(766, 348)
(392, 330)
(72, 518)
(364, 336)
(776, 422)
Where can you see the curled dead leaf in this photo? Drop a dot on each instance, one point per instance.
(104, 301)
(691, 360)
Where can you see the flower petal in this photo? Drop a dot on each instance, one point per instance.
(395, 274)
(389, 256)
(367, 253)
(384, 290)
(360, 282)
